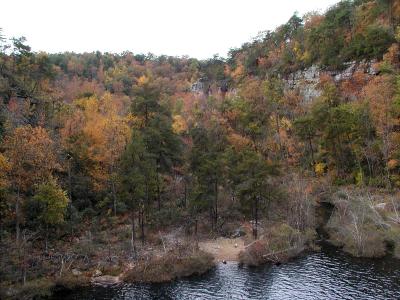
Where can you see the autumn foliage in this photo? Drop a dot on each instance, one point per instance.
(96, 139)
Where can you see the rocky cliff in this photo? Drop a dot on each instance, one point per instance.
(306, 81)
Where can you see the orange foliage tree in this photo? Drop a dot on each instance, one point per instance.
(379, 94)
(97, 130)
(32, 159)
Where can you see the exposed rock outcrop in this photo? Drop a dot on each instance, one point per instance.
(306, 81)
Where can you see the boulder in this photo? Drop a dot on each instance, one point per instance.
(238, 233)
(76, 272)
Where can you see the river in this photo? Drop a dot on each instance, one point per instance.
(329, 274)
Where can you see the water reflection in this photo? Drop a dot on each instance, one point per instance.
(326, 275)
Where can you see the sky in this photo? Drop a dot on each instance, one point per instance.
(198, 29)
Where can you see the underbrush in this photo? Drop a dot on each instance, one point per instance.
(38, 289)
(364, 222)
(280, 243)
(173, 264)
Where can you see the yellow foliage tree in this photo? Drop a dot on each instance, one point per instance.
(31, 157)
(98, 124)
(179, 124)
(5, 167)
(319, 169)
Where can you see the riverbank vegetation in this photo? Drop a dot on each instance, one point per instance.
(170, 266)
(365, 222)
(279, 244)
(106, 159)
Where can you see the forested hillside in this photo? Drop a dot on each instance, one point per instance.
(100, 149)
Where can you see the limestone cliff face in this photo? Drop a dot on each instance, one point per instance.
(306, 81)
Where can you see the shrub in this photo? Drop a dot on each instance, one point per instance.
(372, 43)
(171, 266)
(280, 243)
(371, 243)
(71, 282)
(35, 289)
(356, 226)
(393, 237)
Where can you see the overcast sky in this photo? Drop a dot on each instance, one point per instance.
(174, 27)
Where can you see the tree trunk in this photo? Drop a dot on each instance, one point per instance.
(24, 271)
(158, 193)
(146, 115)
(255, 231)
(216, 201)
(390, 13)
(386, 147)
(312, 151)
(17, 231)
(278, 135)
(147, 193)
(212, 216)
(114, 194)
(139, 221)
(195, 233)
(133, 236)
(185, 194)
(142, 224)
(69, 179)
(47, 238)
(24, 242)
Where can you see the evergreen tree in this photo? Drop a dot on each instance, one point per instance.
(207, 164)
(135, 177)
(161, 143)
(251, 175)
(53, 202)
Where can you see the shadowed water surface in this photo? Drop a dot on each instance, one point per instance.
(329, 274)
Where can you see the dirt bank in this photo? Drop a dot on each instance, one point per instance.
(223, 248)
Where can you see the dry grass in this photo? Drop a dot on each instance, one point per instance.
(170, 266)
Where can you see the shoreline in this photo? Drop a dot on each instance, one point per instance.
(223, 249)
(161, 266)
(220, 255)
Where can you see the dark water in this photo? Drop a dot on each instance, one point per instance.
(329, 274)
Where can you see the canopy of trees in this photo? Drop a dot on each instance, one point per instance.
(94, 135)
